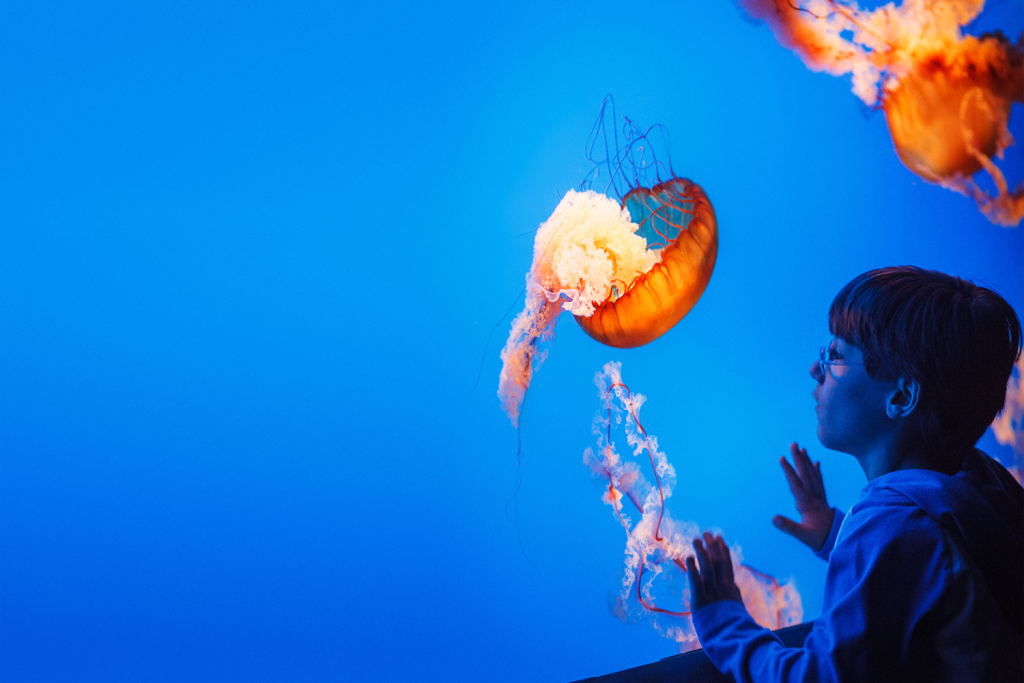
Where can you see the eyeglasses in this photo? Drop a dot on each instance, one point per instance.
(826, 363)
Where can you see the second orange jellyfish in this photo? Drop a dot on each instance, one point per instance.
(947, 96)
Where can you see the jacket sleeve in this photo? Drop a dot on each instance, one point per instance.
(735, 644)
(886, 573)
(837, 521)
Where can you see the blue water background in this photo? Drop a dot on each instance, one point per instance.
(251, 258)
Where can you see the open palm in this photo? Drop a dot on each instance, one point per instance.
(808, 489)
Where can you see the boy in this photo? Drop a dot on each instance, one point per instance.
(926, 572)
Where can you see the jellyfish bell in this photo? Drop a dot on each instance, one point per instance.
(950, 113)
(930, 118)
(677, 218)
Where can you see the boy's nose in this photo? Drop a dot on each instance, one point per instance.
(816, 372)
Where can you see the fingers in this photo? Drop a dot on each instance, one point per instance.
(794, 450)
(795, 486)
(810, 473)
(718, 554)
(818, 484)
(714, 580)
(785, 525)
(805, 474)
(714, 551)
(707, 568)
(726, 561)
(800, 532)
(698, 597)
(802, 463)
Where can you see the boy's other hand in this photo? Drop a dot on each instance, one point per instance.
(808, 489)
(714, 580)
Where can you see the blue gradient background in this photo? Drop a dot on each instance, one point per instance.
(251, 256)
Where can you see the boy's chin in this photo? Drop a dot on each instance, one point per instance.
(827, 441)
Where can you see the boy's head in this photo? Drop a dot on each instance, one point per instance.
(957, 340)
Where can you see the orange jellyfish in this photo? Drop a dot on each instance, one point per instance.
(656, 544)
(946, 96)
(628, 268)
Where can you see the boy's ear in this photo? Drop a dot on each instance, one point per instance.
(903, 400)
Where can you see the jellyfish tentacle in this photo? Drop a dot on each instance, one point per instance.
(651, 219)
(850, 17)
(657, 479)
(656, 545)
(651, 606)
(798, 8)
(657, 532)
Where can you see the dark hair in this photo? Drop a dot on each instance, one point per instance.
(958, 340)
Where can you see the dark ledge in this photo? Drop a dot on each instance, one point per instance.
(692, 667)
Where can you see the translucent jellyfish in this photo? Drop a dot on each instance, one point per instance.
(656, 544)
(946, 96)
(627, 266)
(1008, 426)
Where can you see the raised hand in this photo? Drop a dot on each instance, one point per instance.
(808, 489)
(714, 580)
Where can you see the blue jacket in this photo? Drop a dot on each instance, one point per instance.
(925, 583)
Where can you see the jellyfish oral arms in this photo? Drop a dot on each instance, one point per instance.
(946, 96)
(583, 254)
(676, 217)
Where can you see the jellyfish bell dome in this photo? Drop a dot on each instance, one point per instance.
(953, 107)
(931, 115)
(676, 217)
